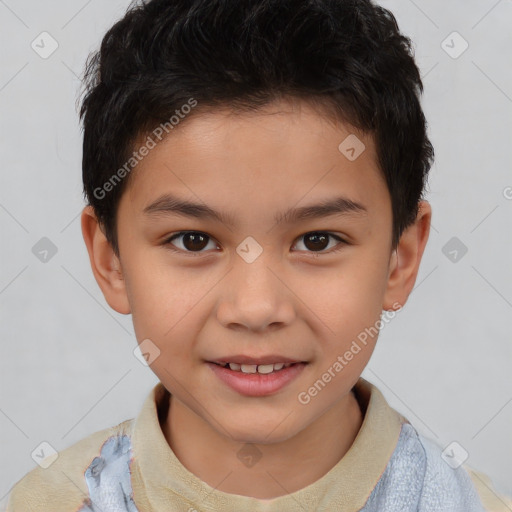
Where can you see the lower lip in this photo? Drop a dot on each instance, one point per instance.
(257, 384)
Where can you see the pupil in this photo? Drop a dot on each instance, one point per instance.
(319, 241)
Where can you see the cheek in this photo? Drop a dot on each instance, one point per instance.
(345, 299)
(163, 300)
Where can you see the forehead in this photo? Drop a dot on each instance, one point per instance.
(282, 155)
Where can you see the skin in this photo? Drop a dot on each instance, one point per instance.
(296, 299)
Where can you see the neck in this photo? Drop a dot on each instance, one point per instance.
(214, 457)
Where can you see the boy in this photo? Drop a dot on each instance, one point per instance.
(285, 138)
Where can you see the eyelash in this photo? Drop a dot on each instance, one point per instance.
(169, 245)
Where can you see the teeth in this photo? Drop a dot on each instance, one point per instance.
(265, 368)
(249, 368)
(253, 368)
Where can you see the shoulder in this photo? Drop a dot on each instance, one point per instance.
(493, 501)
(418, 478)
(62, 485)
(446, 471)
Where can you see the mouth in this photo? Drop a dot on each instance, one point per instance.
(257, 380)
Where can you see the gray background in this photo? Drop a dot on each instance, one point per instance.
(67, 367)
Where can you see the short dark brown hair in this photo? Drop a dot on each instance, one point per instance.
(347, 55)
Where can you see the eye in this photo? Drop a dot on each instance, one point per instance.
(318, 241)
(193, 241)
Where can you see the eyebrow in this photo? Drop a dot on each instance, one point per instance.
(168, 204)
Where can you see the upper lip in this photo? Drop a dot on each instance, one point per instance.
(269, 359)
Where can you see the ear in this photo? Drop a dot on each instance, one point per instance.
(405, 260)
(105, 265)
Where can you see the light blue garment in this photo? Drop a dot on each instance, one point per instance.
(417, 479)
(108, 478)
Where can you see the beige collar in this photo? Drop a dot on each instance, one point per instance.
(159, 479)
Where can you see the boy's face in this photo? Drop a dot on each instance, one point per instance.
(254, 285)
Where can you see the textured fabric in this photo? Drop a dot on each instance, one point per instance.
(131, 468)
(108, 478)
(160, 478)
(417, 479)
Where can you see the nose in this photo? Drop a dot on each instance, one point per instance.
(255, 297)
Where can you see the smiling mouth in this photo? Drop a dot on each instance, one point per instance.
(257, 380)
(257, 368)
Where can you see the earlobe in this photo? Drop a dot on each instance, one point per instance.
(105, 264)
(405, 261)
